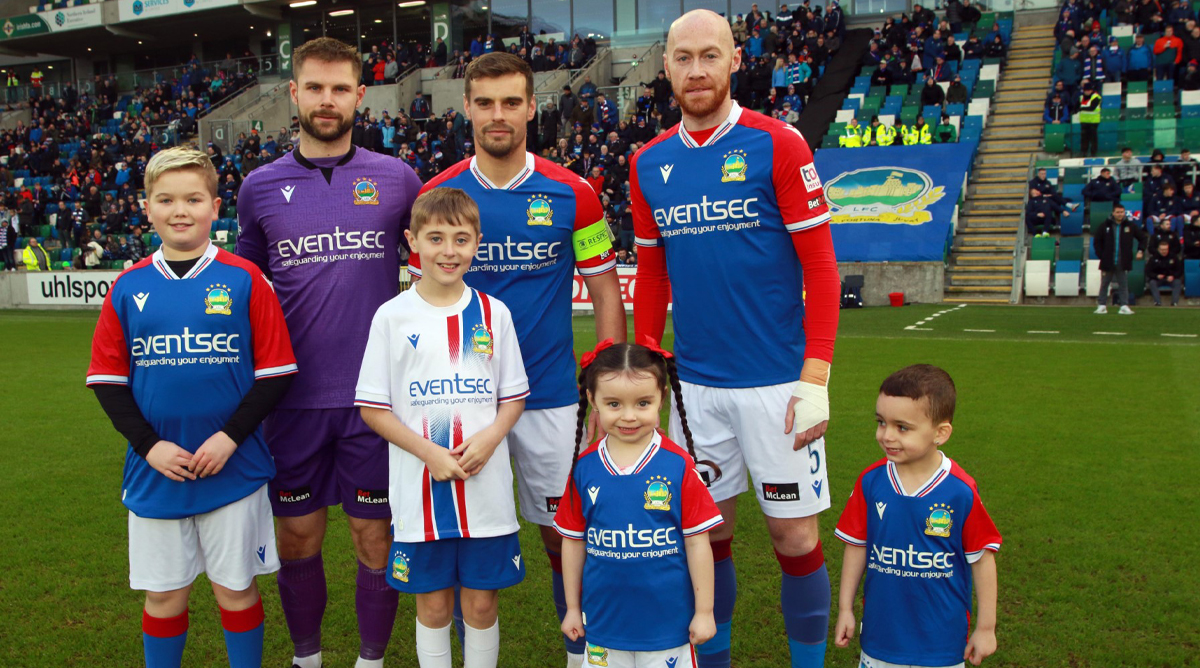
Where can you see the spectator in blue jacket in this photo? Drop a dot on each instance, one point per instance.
(1103, 188)
(1057, 110)
(934, 47)
(1139, 60)
(1114, 60)
(754, 45)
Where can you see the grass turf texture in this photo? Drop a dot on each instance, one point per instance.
(1082, 445)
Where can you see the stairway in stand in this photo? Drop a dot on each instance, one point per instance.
(981, 264)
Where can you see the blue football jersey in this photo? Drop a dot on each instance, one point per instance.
(538, 229)
(920, 547)
(637, 593)
(190, 347)
(723, 211)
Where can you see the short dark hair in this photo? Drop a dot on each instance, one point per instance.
(924, 381)
(498, 64)
(329, 50)
(1118, 205)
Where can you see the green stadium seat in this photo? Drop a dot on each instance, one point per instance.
(1137, 279)
(1056, 138)
(1161, 111)
(1098, 212)
(1070, 248)
(985, 89)
(1110, 115)
(900, 89)
(1042, 249)
(1136, 87)
(1165, 98)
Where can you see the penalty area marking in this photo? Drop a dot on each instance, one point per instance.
(1181, 336)
(917, 327)
(1109, 333)
(1042, 331)
(988, 331)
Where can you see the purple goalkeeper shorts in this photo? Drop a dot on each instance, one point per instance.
(325, 457)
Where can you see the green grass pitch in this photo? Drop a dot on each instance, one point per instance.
(1080, 429)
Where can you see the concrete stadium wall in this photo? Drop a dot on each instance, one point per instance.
(921, 282)
(443, 94)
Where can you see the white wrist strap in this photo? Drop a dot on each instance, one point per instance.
(813, 407)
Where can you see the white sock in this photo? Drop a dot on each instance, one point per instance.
(310, 661)
(481, 647)
(433, 646)
(574, 660)
(368, 663)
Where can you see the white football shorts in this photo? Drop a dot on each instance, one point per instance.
(233, 544)
(741, 429)
(541, 444)
(865, 661)
(600, 657)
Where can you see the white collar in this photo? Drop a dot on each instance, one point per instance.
(647, 454)
(512, 183)
(160, 263)
(735, 113)
(942, 472)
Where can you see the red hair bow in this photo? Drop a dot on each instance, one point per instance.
(649, 342)
(590, 356)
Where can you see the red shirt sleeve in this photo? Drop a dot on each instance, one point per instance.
(568, 520)
(852, 525)
(653, 288)
(110, 352)
(979, 531)
(273, 354)
(700, 512)
(798, 190)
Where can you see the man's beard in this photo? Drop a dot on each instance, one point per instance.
(500, 148)
(718, 94)
(308, 124)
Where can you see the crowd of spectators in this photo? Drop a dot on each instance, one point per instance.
(78, 164)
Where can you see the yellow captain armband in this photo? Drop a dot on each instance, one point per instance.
(591, 241)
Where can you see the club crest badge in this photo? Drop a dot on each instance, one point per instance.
(734, 167)
(597, 656)
(366, 191)
(400, 567)
(481, 340)
(940, 521)
(217, 301)
(539, 212)
(658, 493)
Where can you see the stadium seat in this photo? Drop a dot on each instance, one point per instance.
(1164, 86)
(1191, 278)
(1042, 249)
(1111, 89)
(1066, 278)
(1037, 278)
(1137, 279)
(1055, 138)
(1071, 249)
(1071, 222)
(1098, 212)
(1093, 278)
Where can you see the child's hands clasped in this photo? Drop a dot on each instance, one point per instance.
(443, 464)
(211, 456)
(844, 630)
(170, 460)
(702, 628)
(981, 645)
(477, 449)
(572, 624)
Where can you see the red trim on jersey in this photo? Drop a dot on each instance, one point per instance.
(460, 486)
(427, 489)
(486, 305)
(701, 136)
(979, 531)
(452, 334)
(445, 175)
(853, 521)
(110, 350)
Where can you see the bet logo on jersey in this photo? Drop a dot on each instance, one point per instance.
(939, 521)
(365, 191)
(400, 566)
(218, 301)
(539, 211)
(658, 493)
(734, 167)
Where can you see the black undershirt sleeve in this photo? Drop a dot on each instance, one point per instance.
(122, 409)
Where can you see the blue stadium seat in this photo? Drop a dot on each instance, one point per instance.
(973, 123)
(956, 109)
(1072, 222)
(1164, 86)
(1191, 278)
(1073, 191)
(1111, 102)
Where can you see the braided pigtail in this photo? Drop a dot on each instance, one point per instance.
(581, 417)
(677, 390)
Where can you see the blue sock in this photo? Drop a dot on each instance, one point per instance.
(715, 652)
(804, 597)
(560, 600)
(244, 636)
(163, 640)
(460, 627)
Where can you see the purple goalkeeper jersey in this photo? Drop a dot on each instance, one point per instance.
(327, 233)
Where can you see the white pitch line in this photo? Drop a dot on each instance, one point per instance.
(1042, 331)
(990, 331)
(919, 329)
(1181, 336)
(1110, 333)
